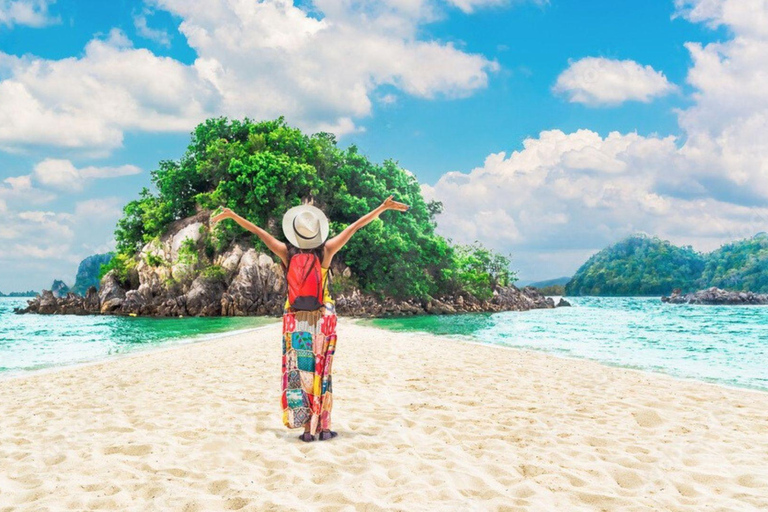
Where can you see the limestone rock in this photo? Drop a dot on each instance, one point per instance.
(111, 295)
(716, 296)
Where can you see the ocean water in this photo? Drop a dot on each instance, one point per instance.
(721, 344)
(33, 342)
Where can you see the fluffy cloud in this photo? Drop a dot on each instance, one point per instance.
(63, 175)
(41, 245)
(748, 18)
(566, 195)
(159, 36)
(33, 13)
(601, 81)
(19, 189)
(469, 6)
(89, 102)
(260, 59)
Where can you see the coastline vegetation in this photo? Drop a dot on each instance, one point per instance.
(643, 265)
(260, 169)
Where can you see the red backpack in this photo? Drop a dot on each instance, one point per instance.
(305, 282)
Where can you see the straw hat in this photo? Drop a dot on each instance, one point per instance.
(305, 226)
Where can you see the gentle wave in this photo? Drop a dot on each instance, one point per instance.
(34, 342)
(721, 344)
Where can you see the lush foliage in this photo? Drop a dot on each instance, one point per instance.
(122, 264)
(638, 265)
(739, 266)
(259, 170)
(478, 270)
(553, 289)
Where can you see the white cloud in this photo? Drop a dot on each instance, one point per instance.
(63, 175)
(469, 6)
(90, 101)
(91, 209)
(161, 37)
(564, 195)
(19, 189)
(748, 18)
(570, 194)
(256, 59)
(601, 81)
(51, 243)
(33, 13)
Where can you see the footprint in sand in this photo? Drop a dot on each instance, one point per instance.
(134, 450)
(55, 459)
(218, 487)
(647, 418)
(750, 481)
(236, 503)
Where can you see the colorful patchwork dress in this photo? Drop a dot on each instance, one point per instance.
(309, 341)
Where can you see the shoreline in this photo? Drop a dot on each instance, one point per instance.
(168, 344)
(465, 338)
(366, 322)
(424, 421)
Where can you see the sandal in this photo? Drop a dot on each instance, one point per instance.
(328, 434)
(306, 437)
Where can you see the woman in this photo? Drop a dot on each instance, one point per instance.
(309, 336)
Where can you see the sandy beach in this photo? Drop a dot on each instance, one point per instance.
(425, 423)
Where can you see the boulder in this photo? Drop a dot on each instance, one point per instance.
(204, 297)
(111, 295)
(257, 288)
(716, 296)
(47, 303)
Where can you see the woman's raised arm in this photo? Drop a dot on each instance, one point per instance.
(272, 243)
(333, 245)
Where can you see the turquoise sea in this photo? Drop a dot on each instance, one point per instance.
(722, 344)
(33, 342)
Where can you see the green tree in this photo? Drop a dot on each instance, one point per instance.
(260, 169)
(638, 265)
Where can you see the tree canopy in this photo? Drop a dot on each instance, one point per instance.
(638, 265)
(739, 266)
(260, 169)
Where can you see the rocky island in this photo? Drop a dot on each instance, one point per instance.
(171, 262)
(241, 281)
(715, 296)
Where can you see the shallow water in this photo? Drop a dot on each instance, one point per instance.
(32, 342)
(721, 344)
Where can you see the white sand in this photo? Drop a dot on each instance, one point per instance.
(424, 423)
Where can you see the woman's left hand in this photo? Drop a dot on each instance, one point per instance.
(225, 213)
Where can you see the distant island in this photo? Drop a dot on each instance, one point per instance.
(88, 274)
(554, 286)
(648, 266)
(29, 293)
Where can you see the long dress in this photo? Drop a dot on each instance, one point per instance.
(309, 341)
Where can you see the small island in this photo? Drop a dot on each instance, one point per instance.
(29, 293)
(170, 261)
(715, 296)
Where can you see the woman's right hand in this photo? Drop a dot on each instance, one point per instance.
(225, 213)
(390, 204)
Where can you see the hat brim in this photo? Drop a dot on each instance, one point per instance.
(293, 238)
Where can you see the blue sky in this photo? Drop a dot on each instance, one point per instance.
(548, 129)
